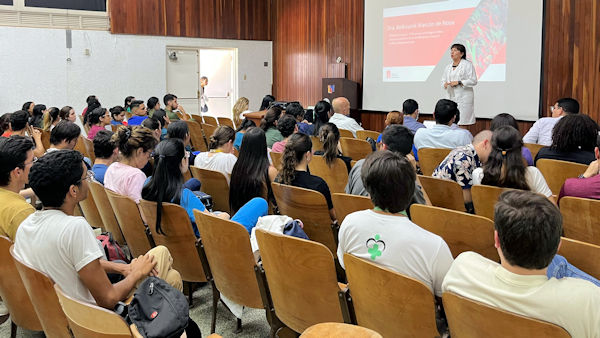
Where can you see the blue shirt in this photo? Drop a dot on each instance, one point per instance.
(441, 136)
(116, 123)
(189, 201)
(238, 140)
(412, 124)
(99, 170)
(136, 120)
(305, 128)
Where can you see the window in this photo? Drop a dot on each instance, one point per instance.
(6, 2)
(86, 5)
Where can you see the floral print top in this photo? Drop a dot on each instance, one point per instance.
(458, 166)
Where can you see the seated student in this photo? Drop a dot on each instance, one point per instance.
(98, 119)
(393, 117)
(287, 125)
(321, 116)
(19, 124)
(296, 110)
(138, 112)
(587, 185)
(341, 116)
(397, 139)
(154, 125)
(166, 185)
(269, 125)
(106, 152)
(118, 115)
(64, 246)
(161, 116)
(153, 105)
(410, 109)
(219, 157)
(459, 165)
(527, 236)
(239, 133)
(294, 171)
(384, 235)
(573, 140)
(241, 107)
(252, 174)
(179, 129)
(442, 135)
(37, 116)
(171, 106)
(136, 146)
(67, 113)
(329, 134)
(5, 125)
(508, 120)
(541, 131)
(65, 136)
(16, 159)
(51, 118)
(505, 167)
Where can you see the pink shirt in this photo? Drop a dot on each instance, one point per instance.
(581, 187)
(93, 130)
(125, 180)
(278, 147)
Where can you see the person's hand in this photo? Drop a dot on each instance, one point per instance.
(167, 120)
(454, 83)
(592, 170)
(143, 266)
(412, 161)
(179, 107)
(446, 85)
(36, 134)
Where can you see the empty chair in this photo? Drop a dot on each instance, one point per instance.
(14, 294)
(484, 199)
(106, 212)
(89, 144)
(580, 219)
(345, 204)
(276, 160)
(363, 134)
(301, 279)
(389, 302)
(196, 135)
(310, 207)
(225, 121)
(469, 318)
(81, 147)
(584, 256)
(215, 184)
(556, 172)
(335, 176)
(316, 143)
(430, 158)
(137, 235)
(533, 148)
(339, 330)
(41, 292)
(346, 133)
(209, 120)
(443, 193)
(461, 231)
(209, 129)
(90, 212)
(355, 148)
(87, 320)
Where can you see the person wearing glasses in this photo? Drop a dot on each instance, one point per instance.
(541, 131)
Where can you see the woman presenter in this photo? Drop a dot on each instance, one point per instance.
(458, 80)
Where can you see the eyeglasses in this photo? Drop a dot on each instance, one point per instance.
(32, 161)
(89, 176)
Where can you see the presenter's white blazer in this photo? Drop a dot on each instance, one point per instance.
(462, 95)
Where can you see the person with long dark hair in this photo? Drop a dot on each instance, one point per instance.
(171, 161)
(329, 134)
(321, 111)
(269, 126)
(266, 102)
(37, 117)
(127, 103)
(219, 156)
(294, 171)
(153, 105)
(240, 131)
(93, 103)
(506, 168)
(573, 140)
(505, 119)
(28, 107)
(252, 174)
(98, 119)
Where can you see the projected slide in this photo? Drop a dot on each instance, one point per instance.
(416, 38)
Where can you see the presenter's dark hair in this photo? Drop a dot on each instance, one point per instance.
(54, 173)
(569, 105)
(574, 132)
(104, 146)
(460, 48)
(445, 110)
(64, 131)
(266, 102)
(409, 106)
(398, 139)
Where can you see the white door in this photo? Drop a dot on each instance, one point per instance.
(182, 77)
(218, 66)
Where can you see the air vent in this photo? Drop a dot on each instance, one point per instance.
(53, 20)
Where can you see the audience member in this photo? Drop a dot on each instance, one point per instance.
(393, 117)
(152, 105)
(341, 117)
(527, 237)
(51, 118)
(287, 125)
(252, 174)
(106, 152)
(410, 109)
(269, 125)
(127, 103)
(171, 106)
(125, 177)
(442, 135)
(541, 131)
(118, 115)
(16, 159)
(296, 110)
(64, 136)
(139, 113)
(93, 103)
(219, 156)
(68, 113)
(240, 107)
(385, 235)
(329, 135)
(64, 247)
(161, 116)
(37, 116)
(19, 124)
(573, 140)
(322, 110)
(155, 126)
(506, 168)
(98, 118)
(241, 130)
(28, 107)
(266, 102)
(5, 124)
(294, 171)
(508, 120)
(459, 165)
(88, 100)
(588, 184)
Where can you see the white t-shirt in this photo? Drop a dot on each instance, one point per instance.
(573, 304)
(221, 162)
(397, 244)
(58, 245)
(533, 176)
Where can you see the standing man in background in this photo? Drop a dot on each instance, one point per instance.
(203, 97)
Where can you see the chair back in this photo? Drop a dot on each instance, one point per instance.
(89, 144)
(443, 193)
(339, 330)
(178, 236)
(389, 302)
(136, 234)
(45, 138)
(215, 184)
(345, 204)
(485, 198)
(310, 207)
(90, 212)
(81, 147)
(209, 120)
(115, 127)
(209, 129)
(533, 148)
(196, 135)
(461, 231)
(346, 133)
(335, 176)
(41, 293)
(556, 172)
(302, 280)
(580, 219)
(430, 158)
(107, 213)
(584, 256)
(316, 143)
(468, 318)
(87, 320)
(13, 292)
(355, 148)
(225, 121)
(363, 134)
(276, 160)
(229, 254)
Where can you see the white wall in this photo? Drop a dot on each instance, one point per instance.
(34, 67)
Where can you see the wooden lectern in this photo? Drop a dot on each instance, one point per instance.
(336, 87)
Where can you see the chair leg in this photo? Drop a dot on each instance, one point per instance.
(238, 328)
(190, 289)
(216, 297)
(13, 329)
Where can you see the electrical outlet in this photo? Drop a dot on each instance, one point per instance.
(86, 52)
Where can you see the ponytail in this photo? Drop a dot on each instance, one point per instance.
(220, 137)
(329, 135)
(295, 148)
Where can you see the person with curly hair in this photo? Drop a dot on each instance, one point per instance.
(573, 140)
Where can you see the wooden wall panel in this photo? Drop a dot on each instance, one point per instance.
(137, 17)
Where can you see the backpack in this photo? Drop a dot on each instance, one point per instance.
(206, 199)
(112, 250)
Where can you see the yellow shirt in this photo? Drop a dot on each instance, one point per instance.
(13, 210)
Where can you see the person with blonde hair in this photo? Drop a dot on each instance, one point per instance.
(220, 155)
(240, 106)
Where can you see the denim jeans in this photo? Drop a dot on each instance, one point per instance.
(559, 268)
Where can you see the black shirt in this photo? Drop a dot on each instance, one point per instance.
(578, 156)
(305, 180)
